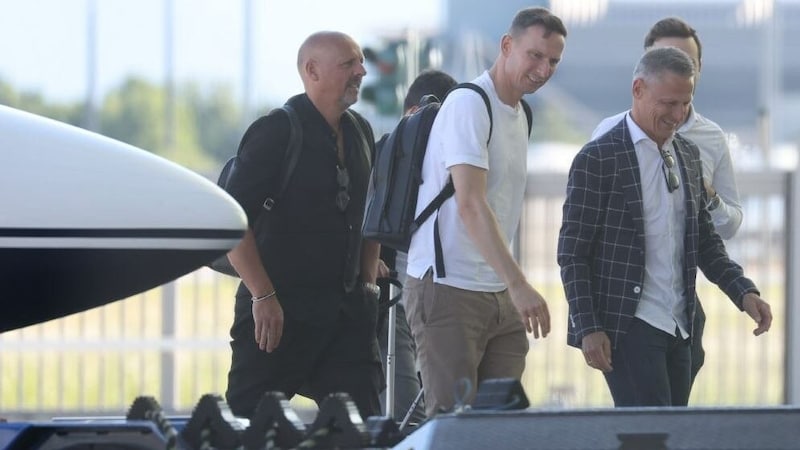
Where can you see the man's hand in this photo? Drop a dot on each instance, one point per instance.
(710, 191)
(759, 310)
(383, 269)
(597, 351)
(268, 318)
(532, 308)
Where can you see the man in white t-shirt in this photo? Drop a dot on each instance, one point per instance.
(470, 321)
(718, 178)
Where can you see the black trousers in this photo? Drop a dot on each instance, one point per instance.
(314, 358)
(651, 368)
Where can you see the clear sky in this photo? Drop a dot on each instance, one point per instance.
(43, 43)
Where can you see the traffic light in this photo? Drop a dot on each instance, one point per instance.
(387, 87)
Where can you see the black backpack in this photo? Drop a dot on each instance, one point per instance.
(397, 173)
(289, 161)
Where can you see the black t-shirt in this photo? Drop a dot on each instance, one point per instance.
(305, 241)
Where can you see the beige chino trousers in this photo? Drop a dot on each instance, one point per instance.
(463, 337)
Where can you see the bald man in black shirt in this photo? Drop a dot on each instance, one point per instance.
(306, 309)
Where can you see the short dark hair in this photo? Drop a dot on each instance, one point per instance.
(673, 27)
(429, 81)
(529, 17)
(656, 61)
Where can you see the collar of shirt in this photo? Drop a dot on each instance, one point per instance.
(638, 135)
(691, 118)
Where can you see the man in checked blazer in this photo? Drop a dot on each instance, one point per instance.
(633, 235)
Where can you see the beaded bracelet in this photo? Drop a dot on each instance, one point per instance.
(263, 297)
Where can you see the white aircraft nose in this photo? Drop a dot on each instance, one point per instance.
(62, 177)
(90, 219)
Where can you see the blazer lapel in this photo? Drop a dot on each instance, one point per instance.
(689, 166)
(689, 173)
(629, 176)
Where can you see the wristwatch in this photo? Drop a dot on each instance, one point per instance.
(713, 203)
(372, 288)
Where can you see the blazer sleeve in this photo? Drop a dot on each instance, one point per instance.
(580, 227)
(717, 266)
(713, 259)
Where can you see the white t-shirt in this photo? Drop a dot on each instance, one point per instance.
(458, 136)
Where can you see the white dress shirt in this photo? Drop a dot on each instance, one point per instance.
(717, 166)
(662, 303)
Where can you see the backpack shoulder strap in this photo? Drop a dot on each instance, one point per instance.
(290, 157)
(485, 98)
(361, 135)
(528, 115)
(525, 106)
(449, 189)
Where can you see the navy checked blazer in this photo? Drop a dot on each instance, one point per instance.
(601, 243)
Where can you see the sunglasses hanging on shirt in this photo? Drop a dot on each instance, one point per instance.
(670, 175)
(343, 180)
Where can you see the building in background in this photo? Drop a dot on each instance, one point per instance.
(750, 76)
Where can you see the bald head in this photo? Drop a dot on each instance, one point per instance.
(331, 67)
(319, 44)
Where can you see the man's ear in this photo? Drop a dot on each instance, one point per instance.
(310, 69)
(505, 44)
(638, 88)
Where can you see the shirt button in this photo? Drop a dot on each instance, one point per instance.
(637, 290)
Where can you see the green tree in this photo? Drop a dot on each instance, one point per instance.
(217, 117)
(135, 113)
(70, 113)
(8, 96)
(206, 128)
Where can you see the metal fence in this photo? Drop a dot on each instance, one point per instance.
(172, 342)
(740, 369)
